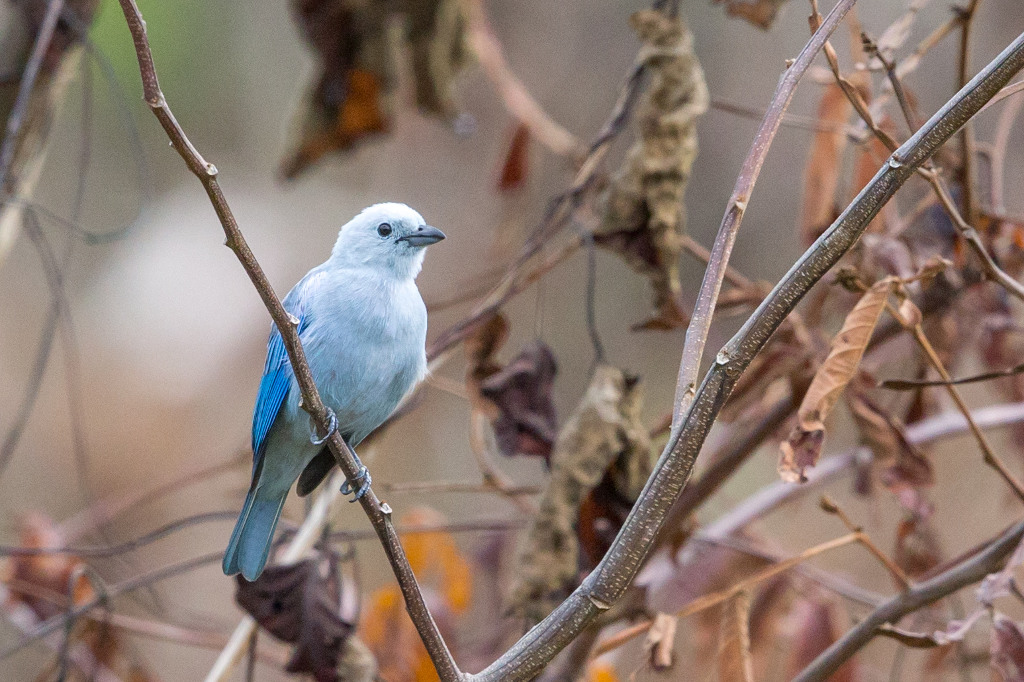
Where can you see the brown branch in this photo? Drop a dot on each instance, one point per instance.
(966, 17)
(610, 579)
(704, 309)
(287, 325)
(966, 573)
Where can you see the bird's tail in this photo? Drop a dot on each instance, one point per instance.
(250, 542)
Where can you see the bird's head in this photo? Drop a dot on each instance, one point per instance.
(389, 236)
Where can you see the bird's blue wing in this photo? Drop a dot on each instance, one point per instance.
(277, 376)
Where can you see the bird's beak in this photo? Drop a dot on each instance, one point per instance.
(425, 235)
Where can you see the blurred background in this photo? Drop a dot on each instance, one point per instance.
(158, 373)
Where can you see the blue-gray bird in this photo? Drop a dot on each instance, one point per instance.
(363, 326)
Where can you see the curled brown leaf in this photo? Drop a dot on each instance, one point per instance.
(644, 218)
(803, 446)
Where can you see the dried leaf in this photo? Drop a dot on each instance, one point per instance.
(356, 662)
(1007, 649)
(21, 23)
(917, 546)
(605, 428)
(734, 661)
(824, 162)
(996, 585)
(803, 447)
(660, 641)
(514, 170)
(815, 630)
(760, 13)
(301, 604)
(354, 49)
(481, 347)
(392, 638)
(521, 393)
(956, 630)
(47, 573)
(644, 217)
(903, 468)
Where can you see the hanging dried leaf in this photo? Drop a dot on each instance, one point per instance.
(526, 422)
(760, 13)
(734, 661)
(815, 629)
(445, 576)
(803, 447)
(22, 21)
(917, 545)
(301, 604)
(1007, 649)
(354, 47)
(481, 346)
(824, 162)
(902, 467)
(644, 218)
(660, 641)
(605, 429)
(513, 171)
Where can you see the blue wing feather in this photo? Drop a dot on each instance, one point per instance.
(277, 378)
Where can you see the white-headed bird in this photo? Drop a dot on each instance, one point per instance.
(363, 326)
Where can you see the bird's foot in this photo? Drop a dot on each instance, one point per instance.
(332, 426)
(363, 479)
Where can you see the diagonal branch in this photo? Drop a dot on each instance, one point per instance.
(703, 310)
(616, 571)
(378, 513)
(946, 583)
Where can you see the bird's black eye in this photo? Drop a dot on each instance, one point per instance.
(384, 230)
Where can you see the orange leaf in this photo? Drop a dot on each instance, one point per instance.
(436, 559)
(734, 661)
(601, 672)
(821, 174)
(514, 170)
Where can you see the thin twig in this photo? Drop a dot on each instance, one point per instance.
(967, 178)
(863, 538)
(703, 310)
(922, 594)
(715, 598)
(990, 457)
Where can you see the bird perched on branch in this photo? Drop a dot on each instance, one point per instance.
(363, 327)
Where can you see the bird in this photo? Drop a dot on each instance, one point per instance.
(363, 326)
